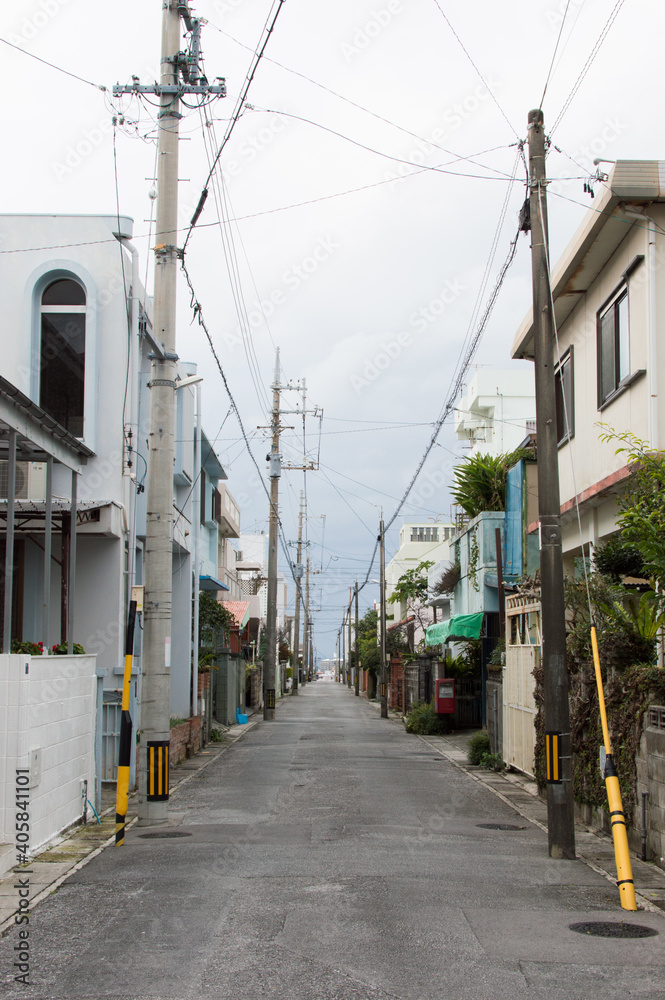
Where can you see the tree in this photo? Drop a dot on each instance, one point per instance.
(642, 505)
(215, 623)
(412, 585)
(411, 591)
(368, 641)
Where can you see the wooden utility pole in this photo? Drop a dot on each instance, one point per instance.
(275, 471)
(383, 682)
(560, 814)
(348, 676)
(296, 617)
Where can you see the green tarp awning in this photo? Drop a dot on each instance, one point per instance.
(457, 627)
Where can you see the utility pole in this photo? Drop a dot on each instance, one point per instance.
(307, 652)
(348, 675)
(383, 690)
(275, 471)
(560, 815)
(156, 682)
(357, 656)
(342, 673)
(296, 622)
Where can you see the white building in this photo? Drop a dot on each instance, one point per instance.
(609, 305)
(497, 411)
(419, 541)
(76, 345)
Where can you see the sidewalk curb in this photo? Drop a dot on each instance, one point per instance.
(644, 903)
(50, 887)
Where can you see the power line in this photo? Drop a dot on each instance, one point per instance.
(457, 385)
(233, 270)
(81, 79)
(398, 159)
(484, 81)
(197, 310)
(267, 32)
(360, 107)
(556, 48)
(587, 66)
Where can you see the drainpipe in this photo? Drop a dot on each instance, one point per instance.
(652, 360)
(652, 325)
(132, 395)
(653, 337)
(196, 529)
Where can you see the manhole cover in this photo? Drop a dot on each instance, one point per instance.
(499, 826)
(164, 835)
(605, 929)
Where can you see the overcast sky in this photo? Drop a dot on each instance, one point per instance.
(360, 265)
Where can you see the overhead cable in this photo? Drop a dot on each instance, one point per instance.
(482, 78)
(587, 66)
(258, 55)
(81, 79)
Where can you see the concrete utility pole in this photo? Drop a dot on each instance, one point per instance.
(296, 621)
(342, 675)
(307, 626)
(156, 682)
(560, 816)
(305, 630)
(356, 658)
(348, 676)
(275, 460)
(383, 689)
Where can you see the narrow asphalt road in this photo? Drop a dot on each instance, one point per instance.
(330, 855)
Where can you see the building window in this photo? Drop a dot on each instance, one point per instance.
(565, 401)
(424, 534)
(613, 347)
(62, 353)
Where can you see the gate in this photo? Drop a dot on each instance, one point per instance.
(111, 714)
(523, 641)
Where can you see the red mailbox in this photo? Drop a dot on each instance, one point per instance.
(444, 697)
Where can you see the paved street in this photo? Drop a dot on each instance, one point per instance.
(330, 855)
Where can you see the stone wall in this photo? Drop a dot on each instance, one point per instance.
(494, 709)
(184, 740)
(651, 779)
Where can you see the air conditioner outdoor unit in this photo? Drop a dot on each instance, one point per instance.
(30, 480)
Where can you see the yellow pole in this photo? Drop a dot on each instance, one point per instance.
(124, 754)
(617, 818)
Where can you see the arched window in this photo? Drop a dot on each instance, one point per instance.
(62, 353)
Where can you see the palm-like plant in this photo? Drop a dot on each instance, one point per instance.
(643, 616)
(480, 482)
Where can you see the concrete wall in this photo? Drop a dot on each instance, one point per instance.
(229, 681)
(47, 724)
(181, 632)
(474, 593)
(651, 779)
